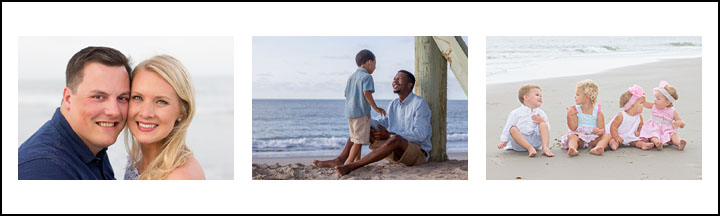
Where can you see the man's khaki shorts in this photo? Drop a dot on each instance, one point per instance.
(360, 130)
(413, 156)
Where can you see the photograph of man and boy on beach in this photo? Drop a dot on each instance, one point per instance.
(594, 108)
(380, 130)
(115, 119)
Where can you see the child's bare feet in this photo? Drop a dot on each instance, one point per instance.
(597, 150)
(502, 145)
(327, 163)
(548, 153)
(532, 153)
(682, 145)
(658, 145)
(573, 152)
(613, 145)
(646, 146)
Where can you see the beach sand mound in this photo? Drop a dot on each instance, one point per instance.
(447, 170)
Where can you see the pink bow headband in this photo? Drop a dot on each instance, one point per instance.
(661, 89)
(636, 92)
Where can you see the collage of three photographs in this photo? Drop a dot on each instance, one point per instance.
(361, 108)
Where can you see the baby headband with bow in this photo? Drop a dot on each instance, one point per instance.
(662, 90)
(636, 92)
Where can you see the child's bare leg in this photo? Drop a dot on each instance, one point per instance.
(642, 144)
(657, 143)
(573, 140)
(614, 145)
(599, 149)
(354, 151)
(520, 139)
(680, 143)
(545, 137)
(359, 154)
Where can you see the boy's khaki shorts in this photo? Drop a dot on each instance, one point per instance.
(413, 156)
(360, 130)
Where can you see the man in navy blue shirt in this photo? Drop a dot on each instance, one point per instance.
(93, 111)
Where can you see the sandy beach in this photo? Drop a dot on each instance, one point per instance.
(301, 168)
(627, 163)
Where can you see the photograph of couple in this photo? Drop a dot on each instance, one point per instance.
(116, 120)
(315, 116)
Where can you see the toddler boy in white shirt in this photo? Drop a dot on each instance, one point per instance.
(527, 127)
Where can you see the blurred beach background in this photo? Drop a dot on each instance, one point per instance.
(556, 64)
(209, 60)
(298, 86)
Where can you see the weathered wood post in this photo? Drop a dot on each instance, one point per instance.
(431, 84)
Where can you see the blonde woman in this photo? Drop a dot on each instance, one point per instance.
(161, 107)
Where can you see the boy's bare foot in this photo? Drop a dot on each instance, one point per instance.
(573, 152)
(548, 153)
(682, 145)
(342, 170)
(597, 150)
(532, 153)
(502, 145)
(613, 145)
(327, 163)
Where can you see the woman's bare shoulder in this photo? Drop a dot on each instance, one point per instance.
(191, 170)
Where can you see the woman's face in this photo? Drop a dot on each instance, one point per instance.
(154, 107)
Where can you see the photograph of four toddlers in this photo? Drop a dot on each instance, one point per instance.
(527, 128)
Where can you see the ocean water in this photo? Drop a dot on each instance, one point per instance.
(288, 128)
(210, 135)
(512, 59)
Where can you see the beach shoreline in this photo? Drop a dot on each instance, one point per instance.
(624, 164)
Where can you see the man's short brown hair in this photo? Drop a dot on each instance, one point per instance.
(524, 90)
(103, 55)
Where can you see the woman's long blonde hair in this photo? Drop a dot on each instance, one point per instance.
(174, 151)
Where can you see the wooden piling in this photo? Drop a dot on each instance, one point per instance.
(431, 84)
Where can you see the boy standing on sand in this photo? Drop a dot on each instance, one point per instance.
(358, 100)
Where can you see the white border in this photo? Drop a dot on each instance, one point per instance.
(244, 20)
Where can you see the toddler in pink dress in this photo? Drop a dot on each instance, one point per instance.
(661, 128)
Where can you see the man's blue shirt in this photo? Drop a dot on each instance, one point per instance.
(56, 152)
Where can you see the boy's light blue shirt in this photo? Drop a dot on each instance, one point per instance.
(355, 103)
(409, 119)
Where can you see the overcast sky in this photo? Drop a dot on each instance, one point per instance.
(318, 67)
(47, 57)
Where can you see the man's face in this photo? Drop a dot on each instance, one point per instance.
(401, 83)
(97, 110)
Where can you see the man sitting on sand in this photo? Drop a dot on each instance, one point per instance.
(407, 137)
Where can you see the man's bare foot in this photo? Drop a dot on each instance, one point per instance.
(597, 150)
(342, 170)
(327, 163)
(502, 145)
(548, 153)
(613, 145)
(682, 145)
(573, 152)
(532, 153)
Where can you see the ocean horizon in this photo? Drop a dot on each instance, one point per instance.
(318, 127)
